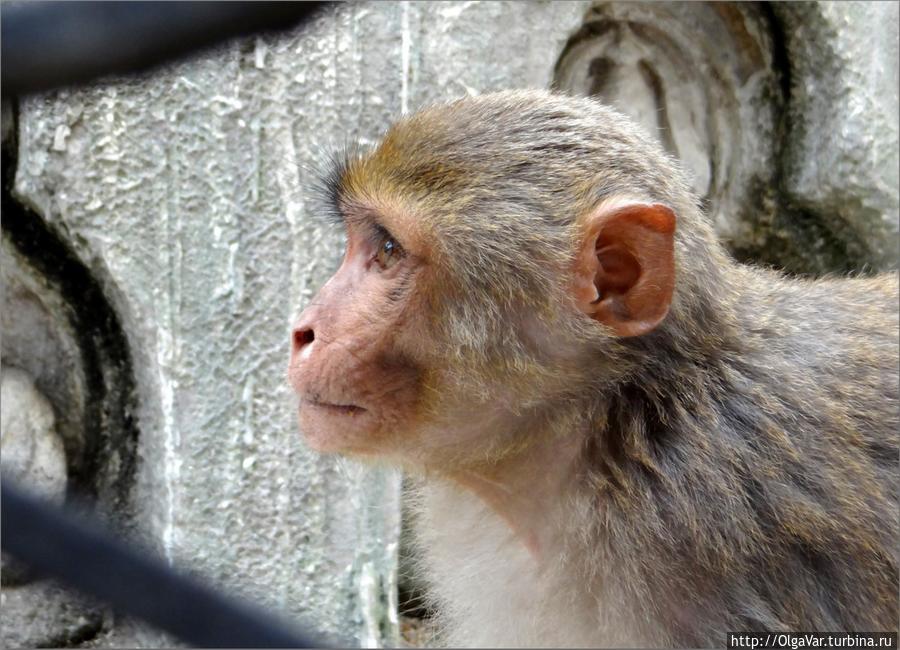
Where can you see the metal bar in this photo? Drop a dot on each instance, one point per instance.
(45, 44)
(61, 545)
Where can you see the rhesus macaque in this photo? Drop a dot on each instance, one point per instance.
(625, 437)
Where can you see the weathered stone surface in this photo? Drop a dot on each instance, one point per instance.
(700, 78)
(31, 454)
(43, 615)
(38, 339)
(842, 155)
(784, 117)
(31, 451)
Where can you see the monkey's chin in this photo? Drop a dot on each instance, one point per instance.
(330, 429)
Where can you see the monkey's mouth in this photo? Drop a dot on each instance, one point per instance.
(344, 409)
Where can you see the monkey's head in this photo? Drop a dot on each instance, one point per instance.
(505, 253)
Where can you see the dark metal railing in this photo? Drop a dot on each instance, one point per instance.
(48, 43)
(66, 546)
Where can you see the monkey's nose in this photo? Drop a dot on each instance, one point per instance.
(302, 338)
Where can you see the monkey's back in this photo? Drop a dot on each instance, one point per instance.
(792, 523)
(842, 337)
(839, 339)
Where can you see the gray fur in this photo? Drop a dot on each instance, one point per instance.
(741, 470)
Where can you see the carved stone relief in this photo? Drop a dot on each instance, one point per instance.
(66, 427)
(786, 127)
(698, 76)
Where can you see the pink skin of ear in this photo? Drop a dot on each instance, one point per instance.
(626, 270)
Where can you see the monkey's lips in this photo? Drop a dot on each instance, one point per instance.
(331, 427)
(339, 409)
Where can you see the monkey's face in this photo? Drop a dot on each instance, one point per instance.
(482, 284)
(352, 364)
(371, 369)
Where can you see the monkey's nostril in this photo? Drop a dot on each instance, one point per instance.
(302, 338)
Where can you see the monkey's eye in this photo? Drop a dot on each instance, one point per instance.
(389, 252)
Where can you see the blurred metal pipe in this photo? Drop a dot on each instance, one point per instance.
(68, 547)
(45, 44)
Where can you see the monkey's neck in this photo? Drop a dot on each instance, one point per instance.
(528, 489)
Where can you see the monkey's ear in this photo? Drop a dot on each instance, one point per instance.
(625, 271)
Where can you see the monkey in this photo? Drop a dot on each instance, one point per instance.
(623, 437)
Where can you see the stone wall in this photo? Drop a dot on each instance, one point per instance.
(158, 238)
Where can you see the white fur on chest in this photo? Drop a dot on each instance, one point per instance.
(491, 591)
